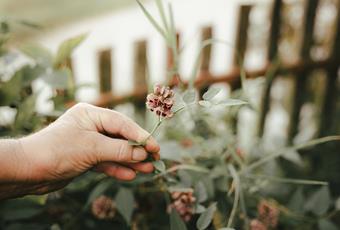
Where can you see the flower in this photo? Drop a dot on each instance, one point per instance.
(255, 224)
(161, 101)
(268, 213)
(183, 202)
(103, 208)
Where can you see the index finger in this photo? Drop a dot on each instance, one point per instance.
(116, 123)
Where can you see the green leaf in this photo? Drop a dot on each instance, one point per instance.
(201, 192)
(38, 53)
(25, 112)
(293, 156)
(231, 102)
(319, 201)
(206, 217)
(66, 48)
(176, 222)
(211, 93)
(205, 104)
(297, 201)
(189, 96)
(337, 204)
(99, 190)
(152, 20)
(159, 165)
(199, 208)
(20, 209)
(10, 90)
(58, 79)
(226, 229)
(326, 225)
(125, 203)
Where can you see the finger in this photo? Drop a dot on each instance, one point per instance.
(142, 167)
(115, 170)
(111, 149)
(118, 124)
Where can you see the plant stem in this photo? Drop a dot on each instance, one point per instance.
(237, 194)
(270, 157)
(287, 180)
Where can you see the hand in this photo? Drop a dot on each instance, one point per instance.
(85, 137)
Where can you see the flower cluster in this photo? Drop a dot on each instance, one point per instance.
(161, 101)
(103, 208)
(183, 202)
(268, 216)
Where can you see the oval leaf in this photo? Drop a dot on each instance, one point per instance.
(319, 201)
(125, 203)
(205, 104)
(159, 165)
(232, 102)
(189, 96)
(176, 222)
(211, 93)
(206, 217)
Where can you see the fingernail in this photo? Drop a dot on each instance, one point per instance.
(139, 154)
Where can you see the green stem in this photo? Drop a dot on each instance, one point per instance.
(270, 157)
(287, 180)
(237, 194)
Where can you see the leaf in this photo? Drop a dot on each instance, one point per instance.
(211, 93)
(326, 225)
(337, 204)
(58, 79)
(199, 208)
(189, 96)
(152, 20)
(231, 102)
(38, 53)
(100, 189)
(226, 229)
(319, 201)
(20, 209)
(25, 112)
(66, 48)
(297, 201)
(176, 222)
(293, 156)
(125, 203)
(201, 192)
(206, 217)
(159, 165)
(205, 104)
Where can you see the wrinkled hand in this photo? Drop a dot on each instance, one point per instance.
(85, 137)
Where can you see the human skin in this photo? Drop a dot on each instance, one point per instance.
(84, 138)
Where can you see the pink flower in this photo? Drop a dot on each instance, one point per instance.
(161, 101)
(255, 224)
(183, 202)
(103, 208)
(268, 213)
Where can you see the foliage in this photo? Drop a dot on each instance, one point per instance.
(204, 180)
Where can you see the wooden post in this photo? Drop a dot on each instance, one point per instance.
(206, 53)
(328, 108)
(301, 78)
(271, 55)
(140, 79)
(105, 71)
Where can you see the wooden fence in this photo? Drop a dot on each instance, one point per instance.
(301, 70)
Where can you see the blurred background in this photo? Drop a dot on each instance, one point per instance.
(105, 52)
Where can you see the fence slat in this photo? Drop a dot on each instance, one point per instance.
(301, 78)
(140, 65)
(328, 108)
(271, 55)
(206, 53)
(105, 71)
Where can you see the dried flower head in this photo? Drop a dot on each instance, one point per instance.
(103, 208)
(255, 224)
(161, 101)
(268, 213)
(183, 202)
